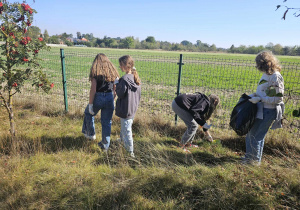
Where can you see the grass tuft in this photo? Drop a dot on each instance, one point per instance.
(52, 166)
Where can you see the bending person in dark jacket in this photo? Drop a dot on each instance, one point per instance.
(195, 109)
(128, 90)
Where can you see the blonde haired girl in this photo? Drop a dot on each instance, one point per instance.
(102, 76)
(269, 100)
(128, 90)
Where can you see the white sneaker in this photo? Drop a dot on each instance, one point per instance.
(90, 137)
(245, 161)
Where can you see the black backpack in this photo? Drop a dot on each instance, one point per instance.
(243, 115)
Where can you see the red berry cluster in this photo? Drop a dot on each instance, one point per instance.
(1, 7)
(26, 7)
(22, 18)
(12, 35)
(25, 40)
(28, 22)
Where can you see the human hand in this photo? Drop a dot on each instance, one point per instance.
(254, 100)
(91, 110)
(208, 137)
(116, 81)
(252, 95)
(206, 126)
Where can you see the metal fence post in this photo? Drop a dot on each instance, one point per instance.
(64, 80)
(179, 81)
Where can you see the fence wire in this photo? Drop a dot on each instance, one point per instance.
(228, 78)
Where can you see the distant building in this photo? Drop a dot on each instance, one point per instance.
(69, 39)
(82, 40)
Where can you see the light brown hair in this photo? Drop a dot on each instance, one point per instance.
(214, 102)
(128, 62)
(266, 62)
(104, 67)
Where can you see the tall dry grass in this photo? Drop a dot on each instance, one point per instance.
(52, 166)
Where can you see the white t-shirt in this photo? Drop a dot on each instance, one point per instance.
(270, 89)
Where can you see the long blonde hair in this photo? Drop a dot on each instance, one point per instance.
(103, 66)
(128, 62)
(266, 62)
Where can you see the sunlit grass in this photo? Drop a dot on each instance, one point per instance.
(52, 166)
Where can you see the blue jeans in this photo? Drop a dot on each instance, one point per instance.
(255, 138)
(126, 133)
(105, 103)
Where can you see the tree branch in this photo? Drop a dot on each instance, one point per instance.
(287, 9)
(5, 103)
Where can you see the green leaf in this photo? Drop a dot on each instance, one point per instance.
(271, 92)
(279, 95)
(262, 81)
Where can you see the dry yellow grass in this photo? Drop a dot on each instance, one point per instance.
(52, 166)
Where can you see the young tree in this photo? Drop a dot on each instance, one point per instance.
(19, 55)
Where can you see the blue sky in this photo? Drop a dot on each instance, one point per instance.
(219, 22)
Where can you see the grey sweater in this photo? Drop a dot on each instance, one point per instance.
(129, 95)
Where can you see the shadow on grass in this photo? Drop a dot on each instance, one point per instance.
(25, 145)
(162, 128)
(158, 155)
(278, 148)
(162, 190)
(64, 143)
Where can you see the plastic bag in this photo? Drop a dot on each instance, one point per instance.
(243, 115)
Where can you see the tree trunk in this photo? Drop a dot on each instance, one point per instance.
(11, 116)
(12, 122)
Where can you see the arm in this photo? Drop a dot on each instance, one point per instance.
(121, 88)
(275, 91)
(114, 89)
(93, 90)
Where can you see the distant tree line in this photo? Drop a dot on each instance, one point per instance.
(150, 42)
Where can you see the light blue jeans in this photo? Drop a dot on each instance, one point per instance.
(126, 134)
(105, 103)
(255, 138)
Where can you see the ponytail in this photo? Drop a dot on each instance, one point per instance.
(128, 62)
(137, 79)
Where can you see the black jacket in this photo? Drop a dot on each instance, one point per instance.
(197, 104)
(129, 95)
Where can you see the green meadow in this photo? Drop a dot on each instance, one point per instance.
(228, 75)
(51, 165)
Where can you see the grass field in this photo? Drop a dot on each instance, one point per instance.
(228, 75)
(52, 166)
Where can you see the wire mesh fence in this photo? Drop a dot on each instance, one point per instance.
(228, 78)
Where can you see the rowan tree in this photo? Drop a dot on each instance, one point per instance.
(19, 60)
